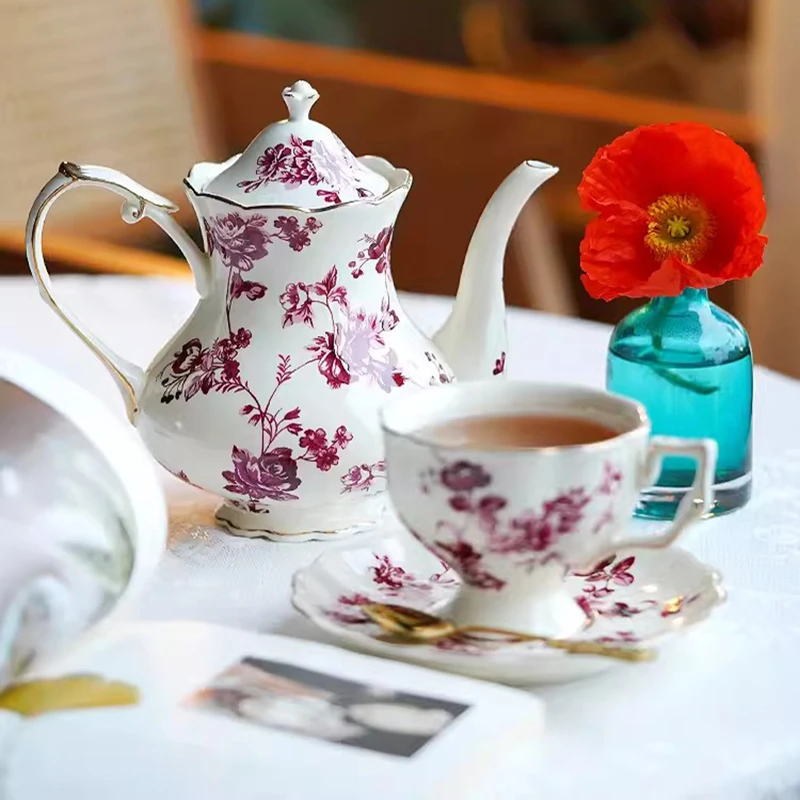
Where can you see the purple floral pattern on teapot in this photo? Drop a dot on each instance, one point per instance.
(306, 161)
(346, 344)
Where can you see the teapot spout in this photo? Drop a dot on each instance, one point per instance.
(473, 339)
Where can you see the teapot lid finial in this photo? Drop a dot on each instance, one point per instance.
(299, 98)
(297, 162)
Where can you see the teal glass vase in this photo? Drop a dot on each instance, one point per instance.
(689, 363)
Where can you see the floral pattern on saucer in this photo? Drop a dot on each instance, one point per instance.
(634, 598)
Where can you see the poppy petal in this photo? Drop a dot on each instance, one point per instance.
(617, 262)
(634, 170)
(686, 160)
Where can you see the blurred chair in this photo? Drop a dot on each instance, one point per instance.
(325, 21)
(97, 82)
(692, 51)
(543, 271)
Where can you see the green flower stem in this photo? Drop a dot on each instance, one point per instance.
(685, 383)
(665, 306)
(662, 313)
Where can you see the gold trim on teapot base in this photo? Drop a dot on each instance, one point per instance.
(322, 524)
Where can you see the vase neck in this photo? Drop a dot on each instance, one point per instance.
(687, 298)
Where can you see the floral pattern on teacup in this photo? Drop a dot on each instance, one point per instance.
(530, 536)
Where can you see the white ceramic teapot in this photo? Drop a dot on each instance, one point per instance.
(268, 394)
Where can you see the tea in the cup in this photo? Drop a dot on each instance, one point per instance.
(508, 432)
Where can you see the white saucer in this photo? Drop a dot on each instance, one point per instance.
(640, 598)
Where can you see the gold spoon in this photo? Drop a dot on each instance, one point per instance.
(405, 625)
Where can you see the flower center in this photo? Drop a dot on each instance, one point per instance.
(679, 226)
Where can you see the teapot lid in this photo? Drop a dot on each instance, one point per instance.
(297, 162)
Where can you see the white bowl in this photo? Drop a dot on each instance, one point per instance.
(83, 518)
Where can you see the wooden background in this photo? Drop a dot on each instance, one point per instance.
(459, 130)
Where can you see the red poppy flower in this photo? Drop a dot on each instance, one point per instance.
(680, 205)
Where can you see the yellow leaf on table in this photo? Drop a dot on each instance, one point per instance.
(35, 697)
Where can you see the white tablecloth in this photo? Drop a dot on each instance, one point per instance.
(717, 716)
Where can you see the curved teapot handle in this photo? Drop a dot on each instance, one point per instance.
(139, 203)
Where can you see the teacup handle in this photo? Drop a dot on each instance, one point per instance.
(696, 503)
(139, 203)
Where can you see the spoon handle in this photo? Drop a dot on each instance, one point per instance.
(576, 647)
(605, 650)
(408, 626)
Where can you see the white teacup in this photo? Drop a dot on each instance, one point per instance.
(514, 522)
